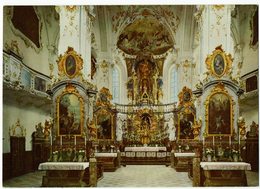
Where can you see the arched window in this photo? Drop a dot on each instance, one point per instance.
(173, 85)
(115, 85)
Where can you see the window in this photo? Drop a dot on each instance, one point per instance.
(173, 85)
(115, 85)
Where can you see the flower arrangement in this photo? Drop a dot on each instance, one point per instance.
(234, 152)
(209, 151)
(81, 152)
(55, 153)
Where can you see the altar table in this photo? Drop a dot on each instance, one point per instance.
(60, 174)
(109, 161)
(181, 161)
(225, 173)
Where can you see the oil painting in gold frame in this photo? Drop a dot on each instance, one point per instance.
(105, 124)
(70, 112)
(185, 126)
(219, 112)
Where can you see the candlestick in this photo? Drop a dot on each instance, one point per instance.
(213, 141)
(229, 140)
(75, 140)
(61, 140)
(51, 137)
(85, 141)
(203, 140)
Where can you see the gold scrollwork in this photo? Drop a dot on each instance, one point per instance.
(70, 63)
(70, 122)
(219, 63)
(219, 120)
(185, 97)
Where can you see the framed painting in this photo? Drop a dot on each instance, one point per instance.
(105, 125)
(39, 84)
(70, 66)
(218, 65)
(185, 124)
(70, 114)
(219, 114)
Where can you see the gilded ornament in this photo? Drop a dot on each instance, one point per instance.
(219, 113)
(70, 64)
(219, 63)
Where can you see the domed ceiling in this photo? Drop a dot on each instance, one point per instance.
(145, 35)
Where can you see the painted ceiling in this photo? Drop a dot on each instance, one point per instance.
(145, 35)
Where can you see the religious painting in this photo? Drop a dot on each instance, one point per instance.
(26, 78)
(70, 65)
(70, 114)
(186, 121)
(39, 84)
(104, 123)
(219, 114)
(218, 65)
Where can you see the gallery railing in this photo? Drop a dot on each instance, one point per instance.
(17, 75)
(157, 108)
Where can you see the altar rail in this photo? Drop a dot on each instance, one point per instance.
(157, 108)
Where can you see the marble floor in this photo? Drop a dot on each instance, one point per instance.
(129, 176)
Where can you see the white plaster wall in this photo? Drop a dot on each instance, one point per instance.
(251, 115)
(37, 61)
(29, 117)
(250, 56)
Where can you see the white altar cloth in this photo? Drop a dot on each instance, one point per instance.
(63, 166)
(225, 166)
(145, 149)
(184, 154)
(105, 154)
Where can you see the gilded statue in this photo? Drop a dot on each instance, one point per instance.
(92, 129)
(196, 129)
(242, 127)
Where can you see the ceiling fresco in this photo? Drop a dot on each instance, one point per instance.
(145, 35)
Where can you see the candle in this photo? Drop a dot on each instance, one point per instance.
(75, 140)
(229, 140)
(85, 141)
(61, 140)
(51, 137)
(203, 140)
(213, 141)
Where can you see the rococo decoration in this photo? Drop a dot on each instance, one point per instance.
(187, 128)
(70, 112)
(219, 112)
(219, 63)
(70, 64)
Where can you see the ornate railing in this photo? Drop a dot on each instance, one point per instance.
(18, 76)
(157, 108)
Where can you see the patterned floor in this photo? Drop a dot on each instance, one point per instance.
(129, 176)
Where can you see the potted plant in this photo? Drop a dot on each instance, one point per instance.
(209, 153)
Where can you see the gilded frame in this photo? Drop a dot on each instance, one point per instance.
(218, 99)
(76, 127)
(214, 64)
(188, 122)
(105, 125)
(63, 63)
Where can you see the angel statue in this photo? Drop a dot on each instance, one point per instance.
(92, 129)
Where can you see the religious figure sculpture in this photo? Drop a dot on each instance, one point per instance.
(92, 129)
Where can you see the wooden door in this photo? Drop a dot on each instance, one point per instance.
(17, 155)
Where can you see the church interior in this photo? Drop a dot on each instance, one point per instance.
(103, 95)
